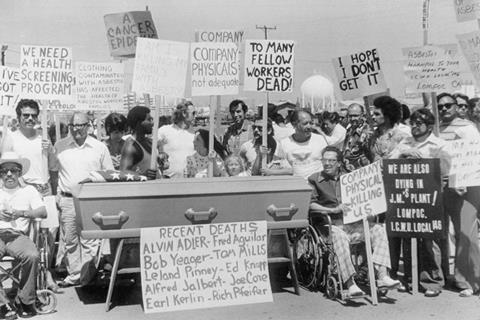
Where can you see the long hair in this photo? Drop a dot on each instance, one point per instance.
(217, 146)
(135, 116)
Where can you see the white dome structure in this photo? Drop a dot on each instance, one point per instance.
(317, 94)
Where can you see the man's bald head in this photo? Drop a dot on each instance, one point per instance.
(355, 108)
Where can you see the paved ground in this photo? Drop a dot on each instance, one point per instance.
(88, 303)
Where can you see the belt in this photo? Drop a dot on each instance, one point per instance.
(66, 194)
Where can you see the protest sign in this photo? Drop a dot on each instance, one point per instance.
(415, 207)
(432, 68)
(9, 89)
(467, 9)
(470, 45)
(363, 193)
(359, 74)
(465, 163)
(214, 69)
(124, 28)
(269, 65)
(46, 72)
(61, 106)
(160, 67)
(235, 36)
(204, 265)
(99, 86)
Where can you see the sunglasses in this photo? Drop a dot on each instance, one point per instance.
(446, 105)
(15, 170)
(28, 115)
(463, 105)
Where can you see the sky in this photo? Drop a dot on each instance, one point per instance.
(322, 29)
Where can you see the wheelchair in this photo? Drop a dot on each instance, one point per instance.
(317, 263)
(46, 300)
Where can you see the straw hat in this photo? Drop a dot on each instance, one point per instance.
(12, 157)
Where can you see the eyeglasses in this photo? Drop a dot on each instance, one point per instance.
(354, 115)
(28, 115)
(417, 123)
(445, 105)
(463, 105)
(329, 160)
(15, 170)
(79, 125)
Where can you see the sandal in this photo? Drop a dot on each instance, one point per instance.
(466, 293)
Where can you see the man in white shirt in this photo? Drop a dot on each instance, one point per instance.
(176, 139)
(19, 205)
(77, 156)
(303, 149)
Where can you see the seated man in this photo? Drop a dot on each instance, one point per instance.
(326, 201)
(18, 205)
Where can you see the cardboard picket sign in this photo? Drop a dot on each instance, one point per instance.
(214, 69)
(123, 29)
(414, 194)
(359, 74)
(466, 10)
(465, 163)
(432, 68)
(99, 86)
(224, 35)
(363, 193)
(470, 46)
(46, 72)
(9, 90)
(160, 67)
(269, 65)
(204, 266)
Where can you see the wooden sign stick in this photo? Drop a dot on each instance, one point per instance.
(58, 134)
(211, 135)
(264, 131)
(159, 101)
(371, 271)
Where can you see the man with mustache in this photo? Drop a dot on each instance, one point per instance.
(28, 143)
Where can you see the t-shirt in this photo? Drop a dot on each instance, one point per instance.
(30, 149)
(304, 157)
(197, 166)
(178, 144)
(22, 198)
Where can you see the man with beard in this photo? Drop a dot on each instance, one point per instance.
(356, 151)
(77, 156)
(424, 144)
(325, 200)
(137, 151)
(252, 151)
(239, 132)
(467, 251)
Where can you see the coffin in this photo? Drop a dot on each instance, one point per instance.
(120, 209)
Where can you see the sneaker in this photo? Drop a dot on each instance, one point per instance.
(387, 283)
(25, 310)
(355, 291)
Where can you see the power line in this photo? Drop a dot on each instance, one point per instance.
(265, 29)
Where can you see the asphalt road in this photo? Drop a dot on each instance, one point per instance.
(88, 303)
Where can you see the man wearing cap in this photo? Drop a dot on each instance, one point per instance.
(77, 156)
(18, 205)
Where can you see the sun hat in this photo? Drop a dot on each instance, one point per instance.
(12, 157)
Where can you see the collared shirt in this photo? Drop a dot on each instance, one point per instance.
(326, 192)
(22, 198)
(459, 129)
(31, 149)
(76, 162)
(381, 145)
(337, 137)
(432, 147)
(236, 136)
(356, 150)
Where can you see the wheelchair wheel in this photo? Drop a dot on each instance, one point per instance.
(307, 257)
(331, 288)
(46, 301)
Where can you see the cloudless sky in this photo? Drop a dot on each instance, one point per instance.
(322, 29)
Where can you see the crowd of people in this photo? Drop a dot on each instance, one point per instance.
(318, 148)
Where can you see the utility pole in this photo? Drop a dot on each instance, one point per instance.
(4, 49)
(265, 30)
